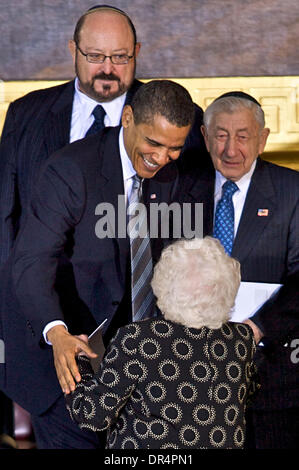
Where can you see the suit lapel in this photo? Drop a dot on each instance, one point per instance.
(261, 195)
(157, 190)
(151, 192)
(58, 124)
(201, 190)
(110, 171)
(111, 185)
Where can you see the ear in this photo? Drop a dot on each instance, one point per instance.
(127, 116)
(137, 48)
(263, 139)
(205, 136)
(72, 49)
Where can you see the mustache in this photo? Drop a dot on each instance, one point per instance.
(104, 76)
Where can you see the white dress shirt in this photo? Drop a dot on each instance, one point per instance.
(82, 117)
(128, 174)
(238, 197)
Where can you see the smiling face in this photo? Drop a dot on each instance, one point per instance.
(151, 146)
(108, 33)
(234, 141)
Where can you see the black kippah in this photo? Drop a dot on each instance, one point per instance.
(238, 94)
(108, 7)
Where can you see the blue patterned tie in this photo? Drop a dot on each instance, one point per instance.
(98, 124)
(225, 217)
(141, 256)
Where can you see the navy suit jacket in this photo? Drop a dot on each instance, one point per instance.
(267, 248)
(60, 269)
(36, 126)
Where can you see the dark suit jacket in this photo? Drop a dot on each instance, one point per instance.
(267, 248)
(163, 384)
(36, 126)
(59, 268)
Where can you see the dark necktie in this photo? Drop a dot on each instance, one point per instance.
(98, 124)
(225, 217)
(141, 257)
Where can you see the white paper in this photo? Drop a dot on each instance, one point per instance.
(251, 296)
(95, 341)
(97, 329)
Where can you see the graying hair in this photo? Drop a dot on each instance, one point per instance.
(230, 105)
(196, 283)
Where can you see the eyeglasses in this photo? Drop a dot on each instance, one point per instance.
(116, 59)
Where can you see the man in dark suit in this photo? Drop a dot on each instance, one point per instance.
(104, 51)
(264, 239)
(45, 120)
(65, 280)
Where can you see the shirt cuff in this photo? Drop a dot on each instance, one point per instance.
(49, 326)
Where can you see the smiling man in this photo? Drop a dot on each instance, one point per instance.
(234, 141)
(104, 50)
(154, 138)
(65, 280)
(252, 207)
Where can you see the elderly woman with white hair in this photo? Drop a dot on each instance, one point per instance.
(182, 380)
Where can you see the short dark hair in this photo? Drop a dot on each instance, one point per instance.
(165, 98)
(81, 20)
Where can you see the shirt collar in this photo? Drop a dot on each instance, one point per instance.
(113, 108)
(127, 167)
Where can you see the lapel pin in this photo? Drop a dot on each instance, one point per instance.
(262, 212)
(153, 196)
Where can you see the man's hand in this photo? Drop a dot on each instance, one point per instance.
(65, 349)
(256, 331)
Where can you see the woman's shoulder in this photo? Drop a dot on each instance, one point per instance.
(160, 328)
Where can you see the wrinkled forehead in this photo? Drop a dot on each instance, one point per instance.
(236, 120)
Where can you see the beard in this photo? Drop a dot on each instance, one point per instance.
(106, 94)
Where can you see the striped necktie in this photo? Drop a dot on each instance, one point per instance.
(225, 217)
(141, 257)
(98, 124)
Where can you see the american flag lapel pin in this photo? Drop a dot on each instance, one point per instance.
(153, 196)
(263, 212)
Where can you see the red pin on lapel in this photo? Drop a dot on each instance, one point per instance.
(262, 212)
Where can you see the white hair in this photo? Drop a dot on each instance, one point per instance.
(196, 283)
(231, 104)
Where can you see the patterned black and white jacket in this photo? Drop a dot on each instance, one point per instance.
(162, 385)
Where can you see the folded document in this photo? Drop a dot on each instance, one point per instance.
(251, 296)
(95, 341)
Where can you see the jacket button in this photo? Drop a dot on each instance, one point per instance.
(115, 302)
